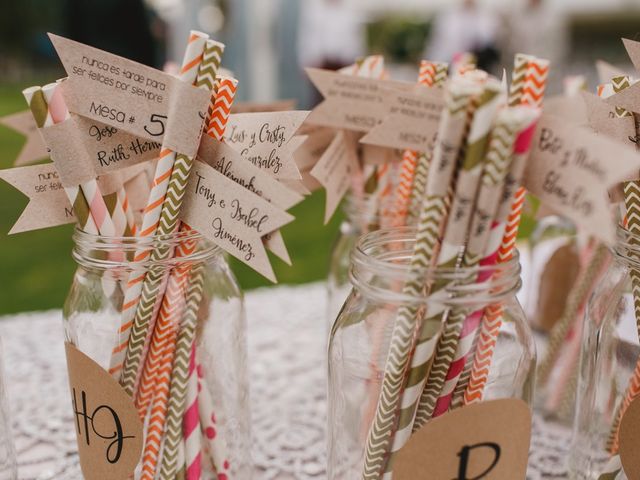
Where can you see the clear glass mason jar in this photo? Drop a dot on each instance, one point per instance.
(206, 329)
(361, 216)
(609, 355)
(360, 337)
(8, 467)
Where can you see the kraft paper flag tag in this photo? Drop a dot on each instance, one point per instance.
(570, 169)
(33, 148)
(633, 50)
(629, 436)
(412, 120)
(227, 161)
(265, 140)
(602, 119)
(48, 203)
(374, 155)
(110, 149)
(107, 424)
(129, 96)
(256, 107)
(606, 71)
(351, 103)
(299, 185)
(231, 216)
(314, 145)
(334, 170)
(484, 440)
(573, 109)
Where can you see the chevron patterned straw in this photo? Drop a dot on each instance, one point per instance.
(436, 392)
(518, 78)
(150, 222)
(380, 438)
(619, 84)
(430, 74)
(419, 179)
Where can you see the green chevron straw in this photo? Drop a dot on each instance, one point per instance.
(424, 158)
(451, 132)
(520, 64)
(153, 282)
(452, 246)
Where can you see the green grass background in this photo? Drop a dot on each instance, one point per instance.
(36, 267)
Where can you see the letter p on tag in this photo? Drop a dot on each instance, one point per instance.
(487, 440)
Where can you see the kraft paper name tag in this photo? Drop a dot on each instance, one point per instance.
(129, 96)
(227, 161)
(231, 216)
(334, 170)
(412, 120)
(108, 428)
(314, 145)
(629, 436)
(33, 148)
(351, 103)
(484, 440)
(602, 119)
(570, 170)
(257, 107)
(265, 140)
(48, 203)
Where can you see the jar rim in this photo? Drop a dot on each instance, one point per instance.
(104, 252)
(487, 283)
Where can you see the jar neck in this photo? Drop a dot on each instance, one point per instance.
(381, 267)
(149, 253)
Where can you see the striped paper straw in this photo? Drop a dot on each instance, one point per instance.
(419, 179)
(381, 435)
(150, 222)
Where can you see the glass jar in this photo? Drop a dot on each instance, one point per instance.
(193, 366)
(361, 336)
(8, 468)
(609, 355)
(361, 216)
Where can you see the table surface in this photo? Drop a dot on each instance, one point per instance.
(286, 342)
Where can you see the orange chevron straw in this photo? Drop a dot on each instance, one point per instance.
(532, 94)
(426, 77)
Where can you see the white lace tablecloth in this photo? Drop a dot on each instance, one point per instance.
(286, 342)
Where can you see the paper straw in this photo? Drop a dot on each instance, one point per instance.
(381, 434)
(453, 243)
(518, 77)
(191, 424)
(429, 74)
(150, 221)
(424, 158)
(508, 215)
(182, 421)
(576, 302)
(165, 330)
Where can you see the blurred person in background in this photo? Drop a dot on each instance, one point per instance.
(331, 34)
(465, 27)
(536, 28)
